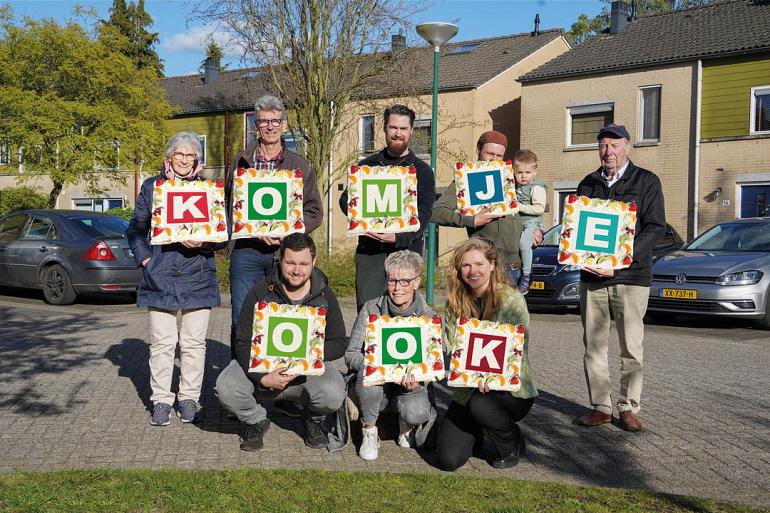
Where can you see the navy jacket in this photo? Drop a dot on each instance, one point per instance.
(642, 187)
(426, 195)
(176, 277)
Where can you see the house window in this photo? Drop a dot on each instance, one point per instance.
(366, 134)
(649, 113)
(420, 143)
(5, 154)
(250, 130)
(760, 110)
(97, 204)
(202, 141)
(585, 122)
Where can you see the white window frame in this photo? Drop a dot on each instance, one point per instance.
(246, 127)
(559, 188)
(640, 116)
(752, 111)
(202, 141)
(361, 150)
(95, 201)
(591, 108)
(422, 122)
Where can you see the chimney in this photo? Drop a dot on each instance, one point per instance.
(536, 32)
(619, 15)
(210, 70)
(398, 42)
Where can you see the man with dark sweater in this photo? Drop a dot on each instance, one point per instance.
(606, 294)
(296, 282)
(373, 248)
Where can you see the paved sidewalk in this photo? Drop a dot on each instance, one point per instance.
(74, 393)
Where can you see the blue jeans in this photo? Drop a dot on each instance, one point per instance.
(248, 266)
(525, 244)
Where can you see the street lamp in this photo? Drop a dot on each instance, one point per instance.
(436, 33)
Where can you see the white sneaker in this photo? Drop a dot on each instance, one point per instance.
(370, 445)
(406, 435)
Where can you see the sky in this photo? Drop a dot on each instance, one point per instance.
(183, 41)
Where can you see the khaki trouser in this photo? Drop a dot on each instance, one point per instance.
(628, 304)
(192, 353)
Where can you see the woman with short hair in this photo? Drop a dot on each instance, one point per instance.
(477, 289)
(402, 298)
(178, 277)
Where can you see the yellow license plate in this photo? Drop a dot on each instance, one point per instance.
(679, 293)
(537, 285)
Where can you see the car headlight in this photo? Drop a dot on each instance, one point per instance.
(569, 268)
(741, 278)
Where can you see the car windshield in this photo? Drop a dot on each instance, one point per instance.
(101, 226)
(753, 236)
(551, 237)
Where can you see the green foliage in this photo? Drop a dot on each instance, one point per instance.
(124, 212)
(21, 198)
(127, 32)
(75, 108)
(214, 52)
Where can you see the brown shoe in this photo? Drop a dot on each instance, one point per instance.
(595, 418)
(629, 421)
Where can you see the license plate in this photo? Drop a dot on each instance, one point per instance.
(679, 293)
(537, 285)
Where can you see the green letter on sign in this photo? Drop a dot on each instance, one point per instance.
(287, 337)
(401, 345)
(381, 197)
(268, 201)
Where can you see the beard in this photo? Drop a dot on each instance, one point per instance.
(397, 147)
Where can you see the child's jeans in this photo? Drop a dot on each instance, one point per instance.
(525, 244)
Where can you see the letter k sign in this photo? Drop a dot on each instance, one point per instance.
(485, 352)
(187, 207)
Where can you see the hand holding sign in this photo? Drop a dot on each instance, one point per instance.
(190, 212)
(267, 203)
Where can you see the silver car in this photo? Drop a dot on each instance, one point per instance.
(724, 272)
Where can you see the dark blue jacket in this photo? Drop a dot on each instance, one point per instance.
(176, 277)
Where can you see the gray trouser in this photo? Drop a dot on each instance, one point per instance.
(370, 277)
(318, 395)
(414, 407)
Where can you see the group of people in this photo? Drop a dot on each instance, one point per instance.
(486, 279)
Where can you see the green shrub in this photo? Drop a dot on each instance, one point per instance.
(124, 212)
(21, 198)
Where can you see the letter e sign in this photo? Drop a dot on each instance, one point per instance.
(187, 207)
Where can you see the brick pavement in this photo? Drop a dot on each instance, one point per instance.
(74, 393)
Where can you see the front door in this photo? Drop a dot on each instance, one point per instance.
(755, 201)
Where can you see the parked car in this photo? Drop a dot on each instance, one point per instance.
(724, 272)
(558, 284)
(66, 253)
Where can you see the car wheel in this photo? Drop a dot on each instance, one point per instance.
(57, 287)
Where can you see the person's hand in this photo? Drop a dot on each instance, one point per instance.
(537, 238)
(409, 383)
(192, 244)
(484, 219)
(389, 238)
(146, 261)
(600, 271)
(277, 380)
(483, 387)
(270, 241)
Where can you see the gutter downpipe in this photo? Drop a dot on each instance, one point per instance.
(329, 172)
(696, 185)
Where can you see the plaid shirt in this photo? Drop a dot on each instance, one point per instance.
(262, 162)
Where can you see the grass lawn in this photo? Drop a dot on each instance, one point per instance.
(319, 491)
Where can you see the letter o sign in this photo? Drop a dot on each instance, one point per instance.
(392, 345)
(276, 201)
(294, 336)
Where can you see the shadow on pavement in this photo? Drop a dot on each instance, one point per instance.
(132, 356)
(94, 298)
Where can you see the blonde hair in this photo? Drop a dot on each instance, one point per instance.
(460, 301)
(525, 157)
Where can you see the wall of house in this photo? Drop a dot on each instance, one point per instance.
(545, 116)
(726, 94)
(110, 188)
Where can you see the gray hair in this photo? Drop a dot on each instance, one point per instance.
(180, 139)
(270, 102)
(403, 260)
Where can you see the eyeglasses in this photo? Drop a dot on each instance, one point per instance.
(181, 156)
(392, 282)
(262, 123)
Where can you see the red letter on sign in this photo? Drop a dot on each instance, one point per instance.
(187, 207)
(485, 353)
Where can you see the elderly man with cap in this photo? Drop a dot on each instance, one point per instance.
(503, 231)
(622, 294)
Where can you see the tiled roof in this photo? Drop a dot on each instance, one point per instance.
(237, 89)
(715, 30)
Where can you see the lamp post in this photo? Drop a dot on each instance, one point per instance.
(436, 33)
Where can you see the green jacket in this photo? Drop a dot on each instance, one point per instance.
(505, 232)
(513, 311)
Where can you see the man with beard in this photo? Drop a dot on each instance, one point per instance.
(373, 248)
(296, 282)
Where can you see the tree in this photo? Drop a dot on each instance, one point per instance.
(586, 28)
(73, 108)
(127, 31)
(21, 198)
(214, 52)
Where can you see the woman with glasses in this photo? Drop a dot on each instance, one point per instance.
(416, 414)
(476, 288)
(178, 277)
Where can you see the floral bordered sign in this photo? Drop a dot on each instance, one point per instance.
(486, 186)
(288, 336)
(267, 203)
(486, 351)
(382, 199)
(188, 210)
(597, 233)
(397, 346)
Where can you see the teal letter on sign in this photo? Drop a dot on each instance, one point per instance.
(268, 201)
(401, 345)
(287, 337)
(381, 197)
(597, 232)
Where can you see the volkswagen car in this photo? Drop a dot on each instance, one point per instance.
(66, 253)
(724, 272)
